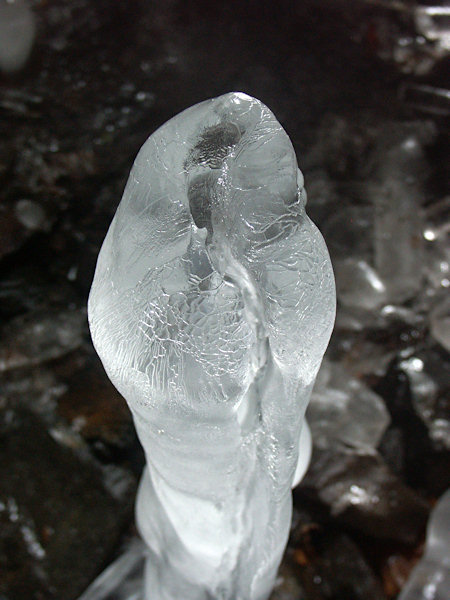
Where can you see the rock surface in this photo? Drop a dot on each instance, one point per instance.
(50, 501)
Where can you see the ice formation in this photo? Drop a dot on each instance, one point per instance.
(430, 579)
(212, 305)
(345, 412)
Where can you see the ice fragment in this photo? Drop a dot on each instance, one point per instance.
(399, 173)
(430, 580)
(343, 411)
(358, 285)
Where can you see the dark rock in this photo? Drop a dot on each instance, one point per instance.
(419, 462)
(330, 566)
(21, 574)
(41, 336)
(28, 288)
(288, 586)
(428, 376)
(63, 523)
(12, 232)
(392, 449)
(95, 409)
(396, 569)
(359, 490)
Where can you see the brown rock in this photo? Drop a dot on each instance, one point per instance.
(93, 407)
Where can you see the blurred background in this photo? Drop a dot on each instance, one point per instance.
(361, 87)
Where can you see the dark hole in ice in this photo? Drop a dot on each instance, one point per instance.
(214, 145)
(199, 202)
(212, 148)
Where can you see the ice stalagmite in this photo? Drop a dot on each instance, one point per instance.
(212, 305)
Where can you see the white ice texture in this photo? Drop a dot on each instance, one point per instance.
(212, 305)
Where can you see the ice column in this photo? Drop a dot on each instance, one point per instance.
(212, 305)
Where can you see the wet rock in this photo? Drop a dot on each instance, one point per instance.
(37, 389)
(396, 569)
(392, 449)
(63, 519)
(410, 39)
(425, 463)
(359, 490)
(367, 343)
(431, 23)
(358, 349)
(20, 576)
(94, 408)
(288, 586)
(41, 336)
(12, 233)
(430, 402)
(31, 215)
(26, 289)
(330, 566)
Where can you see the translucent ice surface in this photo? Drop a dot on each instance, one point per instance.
(343, 411)
(430, 580)
(212, 305)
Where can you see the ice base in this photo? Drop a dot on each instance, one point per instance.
(124, 578)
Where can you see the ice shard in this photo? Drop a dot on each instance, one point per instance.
(212, 304)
